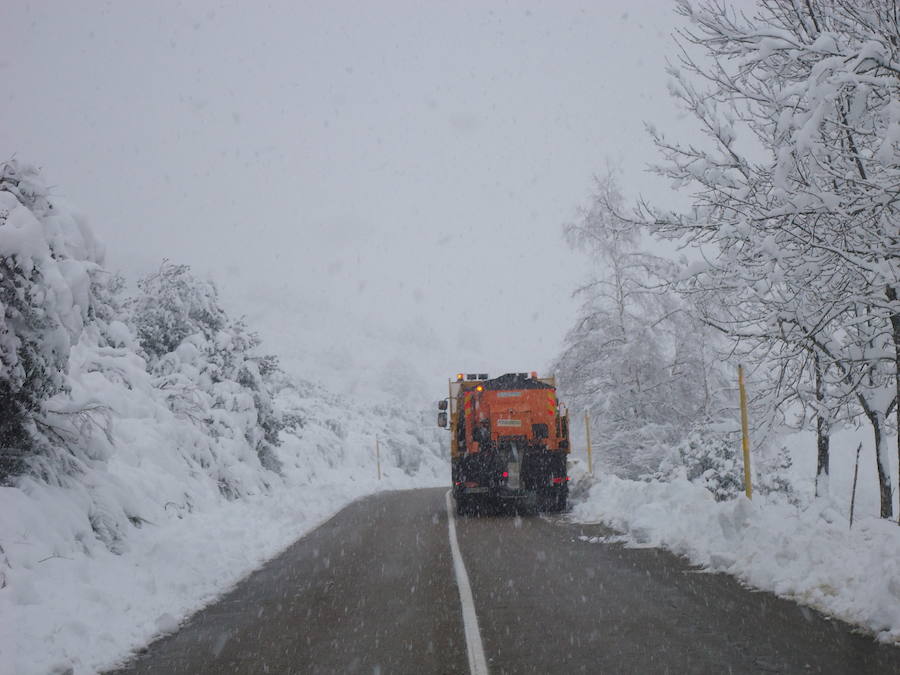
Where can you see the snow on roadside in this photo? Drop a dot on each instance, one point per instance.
(173, 540)
(808, 554)
(88, 611)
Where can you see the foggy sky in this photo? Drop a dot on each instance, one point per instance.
(400, 162)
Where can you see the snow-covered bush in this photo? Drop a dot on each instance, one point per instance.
(172, 306)
(207, 364)
(47, 256)
(713, 459)
(772, 476)
(709, 458)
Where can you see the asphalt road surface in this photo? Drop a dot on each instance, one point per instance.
(373, 590)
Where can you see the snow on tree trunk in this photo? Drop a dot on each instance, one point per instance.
(877, 420)
(895, 334)
(883, 462)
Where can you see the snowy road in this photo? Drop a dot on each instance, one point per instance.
(373, 590)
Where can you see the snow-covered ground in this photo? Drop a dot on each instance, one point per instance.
(72, 605)
(806, 553)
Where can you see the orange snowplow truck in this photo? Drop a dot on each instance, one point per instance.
(509, 441)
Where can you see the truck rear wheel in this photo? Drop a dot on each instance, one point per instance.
(554, 500)
(462, 505)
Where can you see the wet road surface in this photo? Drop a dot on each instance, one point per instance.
(373, 591)
(549, 602)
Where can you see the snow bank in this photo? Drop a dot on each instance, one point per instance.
(70, 601)
(143, 534)
(807, 554)
(87, 611)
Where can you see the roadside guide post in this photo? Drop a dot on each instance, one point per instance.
(378, 457)
(587, 431)
(745, 433)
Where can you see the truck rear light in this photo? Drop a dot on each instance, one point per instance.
(505, 474)
(459, 482)
(558, 480)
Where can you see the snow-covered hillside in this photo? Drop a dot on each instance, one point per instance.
(152, 453)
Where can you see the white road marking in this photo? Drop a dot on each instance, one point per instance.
(477, 661)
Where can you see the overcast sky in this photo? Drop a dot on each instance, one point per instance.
(400, 161)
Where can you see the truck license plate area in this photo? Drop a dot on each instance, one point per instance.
(475, 490)
(513, 480)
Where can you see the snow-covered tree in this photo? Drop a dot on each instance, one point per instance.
(635, 359)
(797, 218)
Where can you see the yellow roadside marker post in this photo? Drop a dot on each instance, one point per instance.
(587, 431)
(745, 432)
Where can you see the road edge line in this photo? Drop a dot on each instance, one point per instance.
(477, 660)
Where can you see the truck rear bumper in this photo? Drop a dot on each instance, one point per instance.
(503, 492)
(474, 490)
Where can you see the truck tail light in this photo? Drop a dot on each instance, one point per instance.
(563, 479)
(505, 474)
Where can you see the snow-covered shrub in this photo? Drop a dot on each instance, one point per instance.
(709, 458)
(207, 365)
(772, 475)
(47, 256)
(714, 459)
(173, 305)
